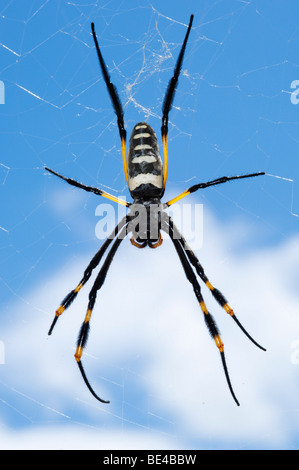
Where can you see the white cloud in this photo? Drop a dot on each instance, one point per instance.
(151, 355)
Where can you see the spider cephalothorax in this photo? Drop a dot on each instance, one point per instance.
(147, 218)
(145, 224)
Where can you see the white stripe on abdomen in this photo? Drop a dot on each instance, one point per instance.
(144, 158)
(145, 178)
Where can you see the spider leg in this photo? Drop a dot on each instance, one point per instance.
(116, 103)
(169, 96)
(83, 334)
(223, 179)
(208, 318)
(88, 271)
(218, 296)
(89, 189)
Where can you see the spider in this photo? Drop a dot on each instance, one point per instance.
(147, 216)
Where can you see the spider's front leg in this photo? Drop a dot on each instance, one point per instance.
(223, 179)
(84, 331)
(67, 301)
(89, 189)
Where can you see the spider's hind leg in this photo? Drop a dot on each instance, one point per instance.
(218, 296)
(208, 318)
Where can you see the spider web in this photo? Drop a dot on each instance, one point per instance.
(235, 111)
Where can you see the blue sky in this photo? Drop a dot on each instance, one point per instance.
(149, 353)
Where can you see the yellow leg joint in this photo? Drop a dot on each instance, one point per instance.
(165, 152)
(78, 353)
(88, 315)
(114, 198)
(176, 199)
(228, 309)
(79, 287)
(204, 307)
(60, 310)
(209, 285)
(219, 343)
(124, 155)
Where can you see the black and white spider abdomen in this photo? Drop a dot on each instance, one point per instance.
(145, 168)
